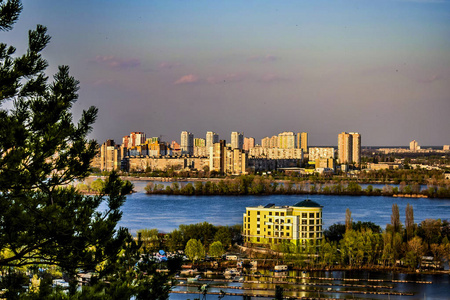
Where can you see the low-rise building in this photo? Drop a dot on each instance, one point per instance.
(273, 225)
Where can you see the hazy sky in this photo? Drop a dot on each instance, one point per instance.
(380, 68)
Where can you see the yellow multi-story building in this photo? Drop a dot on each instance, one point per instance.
(272, 225)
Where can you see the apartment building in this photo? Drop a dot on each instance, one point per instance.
(110, 156)
(187, 143)
(349, 148)
(237, 140)
(273, 225)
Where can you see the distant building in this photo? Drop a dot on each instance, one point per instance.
(249, 143)
(320, 152)
(211, 139)
(274, 225)
(286, 140)
(414, 146)
(110, 158)
(349, 148)
(199, 142)
(226, 160)
(273, 142)
(237, 140)
(302, 141)
(187, 143)
(446, 148)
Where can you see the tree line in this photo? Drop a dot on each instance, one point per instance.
(261, 185)
(365, 245)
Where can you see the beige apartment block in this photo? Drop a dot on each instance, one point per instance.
(110, 158)
(276, 153)
(320, 152)
(141, 164)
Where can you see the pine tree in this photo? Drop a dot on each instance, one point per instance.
(43, 220)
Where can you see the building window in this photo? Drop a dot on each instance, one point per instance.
(257, 213)
(317, 215)
(268, 233)
(304, 215)
(287, 233)
(289, 220)
(257, 220)
(311, 235)
(304, 221)
(282, 214)
(248, 213)
(276, 214)
(270, 213)
(257, 239)
(270, 219)
(311, 215)
(311, 228)
(258, 232)
(268, 226)
(311, 221)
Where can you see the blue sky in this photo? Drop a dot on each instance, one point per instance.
(380, 68)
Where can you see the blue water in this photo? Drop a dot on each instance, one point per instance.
(167, 212)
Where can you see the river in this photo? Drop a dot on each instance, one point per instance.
(167, 212)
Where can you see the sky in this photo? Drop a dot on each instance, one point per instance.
(380, 68)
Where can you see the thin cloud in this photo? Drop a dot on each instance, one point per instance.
(187, 79)
(168, 65)
(263, 59)
(116, 62)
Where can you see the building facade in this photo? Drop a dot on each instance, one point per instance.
(211, 139)
(249, 143)
(286, 140)
(187, 143)
(349, 148)
(302, 141)
(299, 224)
(110, 158)
(237, 140)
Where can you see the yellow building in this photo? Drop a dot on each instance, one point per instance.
(271, 225)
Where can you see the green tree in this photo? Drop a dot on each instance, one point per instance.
(150, 239)
(223, 235)
(97, 185)
(194, 250)
(216, 249)
(395, 218)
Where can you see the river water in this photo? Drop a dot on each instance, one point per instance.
(167, 212)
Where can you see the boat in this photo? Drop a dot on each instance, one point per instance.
(281, 268)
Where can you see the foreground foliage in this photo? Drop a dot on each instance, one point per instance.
(47, 228)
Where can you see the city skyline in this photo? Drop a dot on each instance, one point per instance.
(379, 68)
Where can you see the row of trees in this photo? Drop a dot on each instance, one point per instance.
(205, 233)
(364, 244)
(258, 185)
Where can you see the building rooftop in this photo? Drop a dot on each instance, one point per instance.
(307, 203)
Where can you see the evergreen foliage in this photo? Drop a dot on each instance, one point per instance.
(44, 222)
